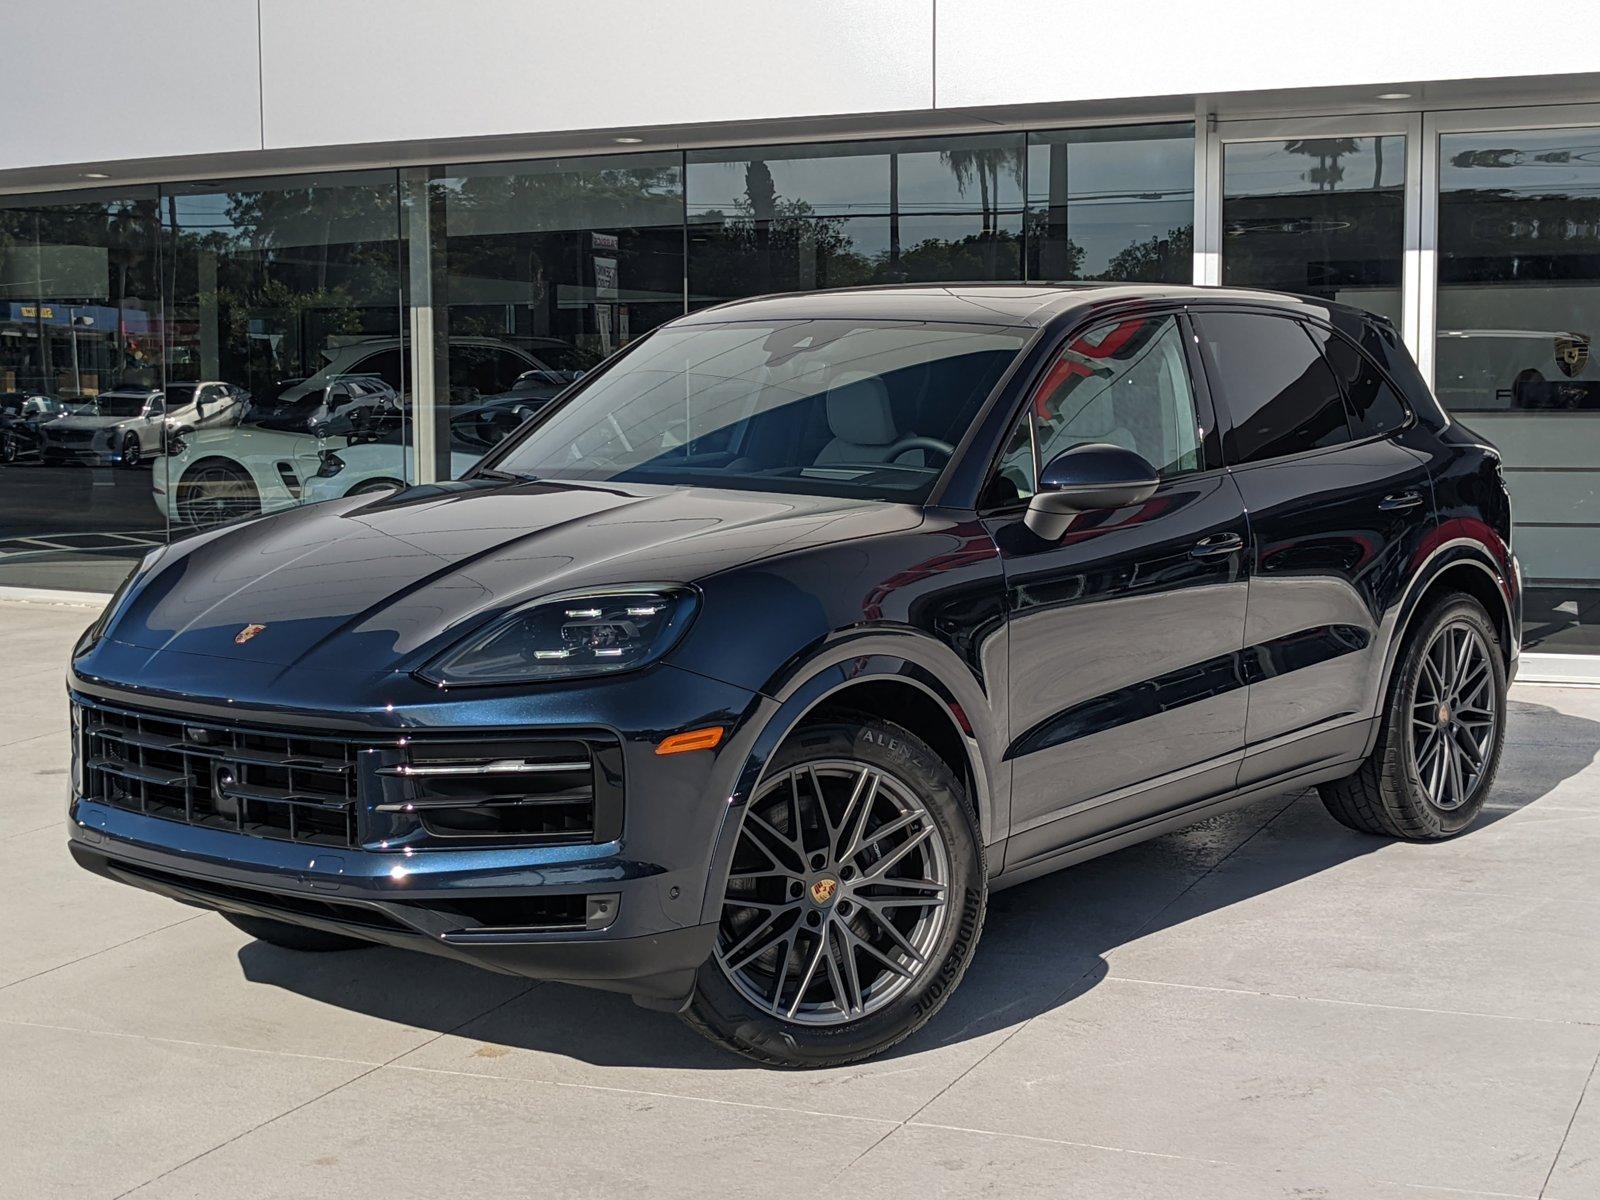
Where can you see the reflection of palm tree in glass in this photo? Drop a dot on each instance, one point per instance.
(985, 166)
(762, 193)
(1327, 151)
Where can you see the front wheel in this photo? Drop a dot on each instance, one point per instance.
(9, 453)
(1442, 732)
(853, 903)
(131, 451)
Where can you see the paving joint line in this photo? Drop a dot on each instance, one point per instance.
(1567, 1132)
(1289, 802)
(1440, 1012)
(371, 1070)
(103, 950)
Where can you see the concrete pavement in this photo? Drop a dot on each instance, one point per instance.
(1266, 1005)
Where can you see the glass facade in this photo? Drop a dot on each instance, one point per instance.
(282, 339)
(80, 371)
(793, 218)
(176, 356)
(1112, 203)
(172, 356)
(1517, 309)
(1322, 216)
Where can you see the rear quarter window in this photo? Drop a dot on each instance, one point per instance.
(1278, 389)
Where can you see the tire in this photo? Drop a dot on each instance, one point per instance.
(889, 805)
(294, 937)
(9, 452)
(215, 491)
(1402, 790)
(132, 453)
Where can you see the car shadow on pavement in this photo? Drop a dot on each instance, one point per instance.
(1044, 942)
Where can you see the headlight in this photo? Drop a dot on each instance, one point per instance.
(96, 631)
(596, 632)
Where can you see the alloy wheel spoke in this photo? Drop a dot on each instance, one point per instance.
(842, 975)
(886, 864)
(783, 967)
(856, 939)
(811, 974)
(899, 939)
(886, 830)
(1468, 746)
(758, 941)
(769, 830)
(856, 814)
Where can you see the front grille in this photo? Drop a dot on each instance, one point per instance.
(73, 437)
(414, 792)
(259, 782)
(547, 791)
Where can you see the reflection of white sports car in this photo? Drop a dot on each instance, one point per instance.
(215, 475)
(368, 467)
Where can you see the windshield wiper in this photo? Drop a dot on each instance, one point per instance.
(505, 476)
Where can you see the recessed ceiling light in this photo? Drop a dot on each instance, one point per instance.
(95, 175)
(627, 141)
(1394, 95)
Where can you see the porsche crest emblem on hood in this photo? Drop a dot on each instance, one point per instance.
(245, 634)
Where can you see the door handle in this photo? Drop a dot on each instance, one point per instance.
(1399, 501)
(1217, 545)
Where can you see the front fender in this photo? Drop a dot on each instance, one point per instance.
(851, 660)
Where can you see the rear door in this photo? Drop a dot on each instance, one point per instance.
(1337, 509)
(1125, 696)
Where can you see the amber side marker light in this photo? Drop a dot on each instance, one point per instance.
(693, 739)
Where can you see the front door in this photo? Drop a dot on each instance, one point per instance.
(1125, 633)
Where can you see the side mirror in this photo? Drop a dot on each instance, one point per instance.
(1088, 477)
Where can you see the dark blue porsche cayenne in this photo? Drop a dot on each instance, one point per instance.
(741, 675)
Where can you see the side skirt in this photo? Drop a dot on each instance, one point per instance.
(1130, 835)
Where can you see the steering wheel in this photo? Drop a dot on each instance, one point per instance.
(906, 444)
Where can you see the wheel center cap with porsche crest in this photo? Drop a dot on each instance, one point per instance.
(823, 890)
(245, 634)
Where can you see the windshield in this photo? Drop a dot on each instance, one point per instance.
(120, 404)
(868, 409)
(180, 393)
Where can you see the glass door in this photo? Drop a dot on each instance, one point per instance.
(1514, 242)
(1318, 208)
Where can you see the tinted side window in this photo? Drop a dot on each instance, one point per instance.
(1375, 407)
(1278, 388)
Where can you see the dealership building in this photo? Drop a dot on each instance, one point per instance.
(338, 243)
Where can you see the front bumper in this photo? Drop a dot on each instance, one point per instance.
(358, 897)
(634, 913)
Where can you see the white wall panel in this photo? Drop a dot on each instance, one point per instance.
(99, 80)
(379, 70)
(1027, 51)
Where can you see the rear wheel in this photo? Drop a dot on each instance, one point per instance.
(1443, 728)
(294, 937)
(215, 491)
(854, 900)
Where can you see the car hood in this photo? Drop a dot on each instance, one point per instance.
(376, 584)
